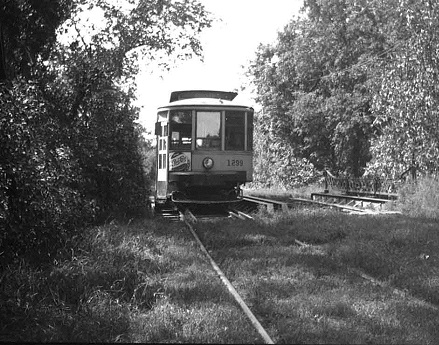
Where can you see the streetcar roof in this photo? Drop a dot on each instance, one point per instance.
(205, 102)
(187, 94)
(204, 98)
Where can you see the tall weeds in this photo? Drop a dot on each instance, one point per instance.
(420, 198)
(85, 298)
(143, 282)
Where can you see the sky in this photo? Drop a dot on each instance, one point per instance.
(229, 44)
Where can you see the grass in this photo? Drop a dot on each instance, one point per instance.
(307, 294)
(146, 282)
(149, 282)
(420, 199)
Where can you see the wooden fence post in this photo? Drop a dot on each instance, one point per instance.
(325, 174)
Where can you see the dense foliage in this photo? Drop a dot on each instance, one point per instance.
(72, 152)
(275, 166)
(407, 99)
(350, 86)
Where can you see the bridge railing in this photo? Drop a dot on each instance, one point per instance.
(376, 187)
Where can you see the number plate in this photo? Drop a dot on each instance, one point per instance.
(235, 162)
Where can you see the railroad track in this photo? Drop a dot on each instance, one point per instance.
(196, 213)
(167, 212)
(188, 217)
(351, 205)
(250, 204)
(243, 210)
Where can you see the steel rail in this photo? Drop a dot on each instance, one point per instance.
(321, 203)
(231, 289)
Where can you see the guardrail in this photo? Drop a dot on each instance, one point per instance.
(376, 187)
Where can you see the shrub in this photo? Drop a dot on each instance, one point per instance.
(420, 198)
(40, 209)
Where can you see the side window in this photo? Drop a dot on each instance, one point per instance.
(180, 130)
(250, 131)
(208, 130)
(235, 130)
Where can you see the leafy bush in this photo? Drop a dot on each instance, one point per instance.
(40, 208)
(69, 141)
(275, 164)
(420, 198)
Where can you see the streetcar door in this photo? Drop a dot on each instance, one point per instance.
(162, 159)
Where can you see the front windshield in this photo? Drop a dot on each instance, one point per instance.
(208, 130)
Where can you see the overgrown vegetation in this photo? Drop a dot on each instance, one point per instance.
(310, 295)
(148, 282)
(143, 282)
(420, 198)
(346, 87)
(72, 152)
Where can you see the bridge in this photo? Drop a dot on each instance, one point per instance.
(383, 188)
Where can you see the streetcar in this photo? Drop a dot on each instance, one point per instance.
(204, 148)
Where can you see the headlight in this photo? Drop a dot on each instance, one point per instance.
(208, 163)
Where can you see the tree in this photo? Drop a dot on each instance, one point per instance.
(39, 209)
(37, 206)
(68, 137)
(407, 98)
(316, 89)
(274, 165)
(354, 80)
(90, 86)
(27, 33)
